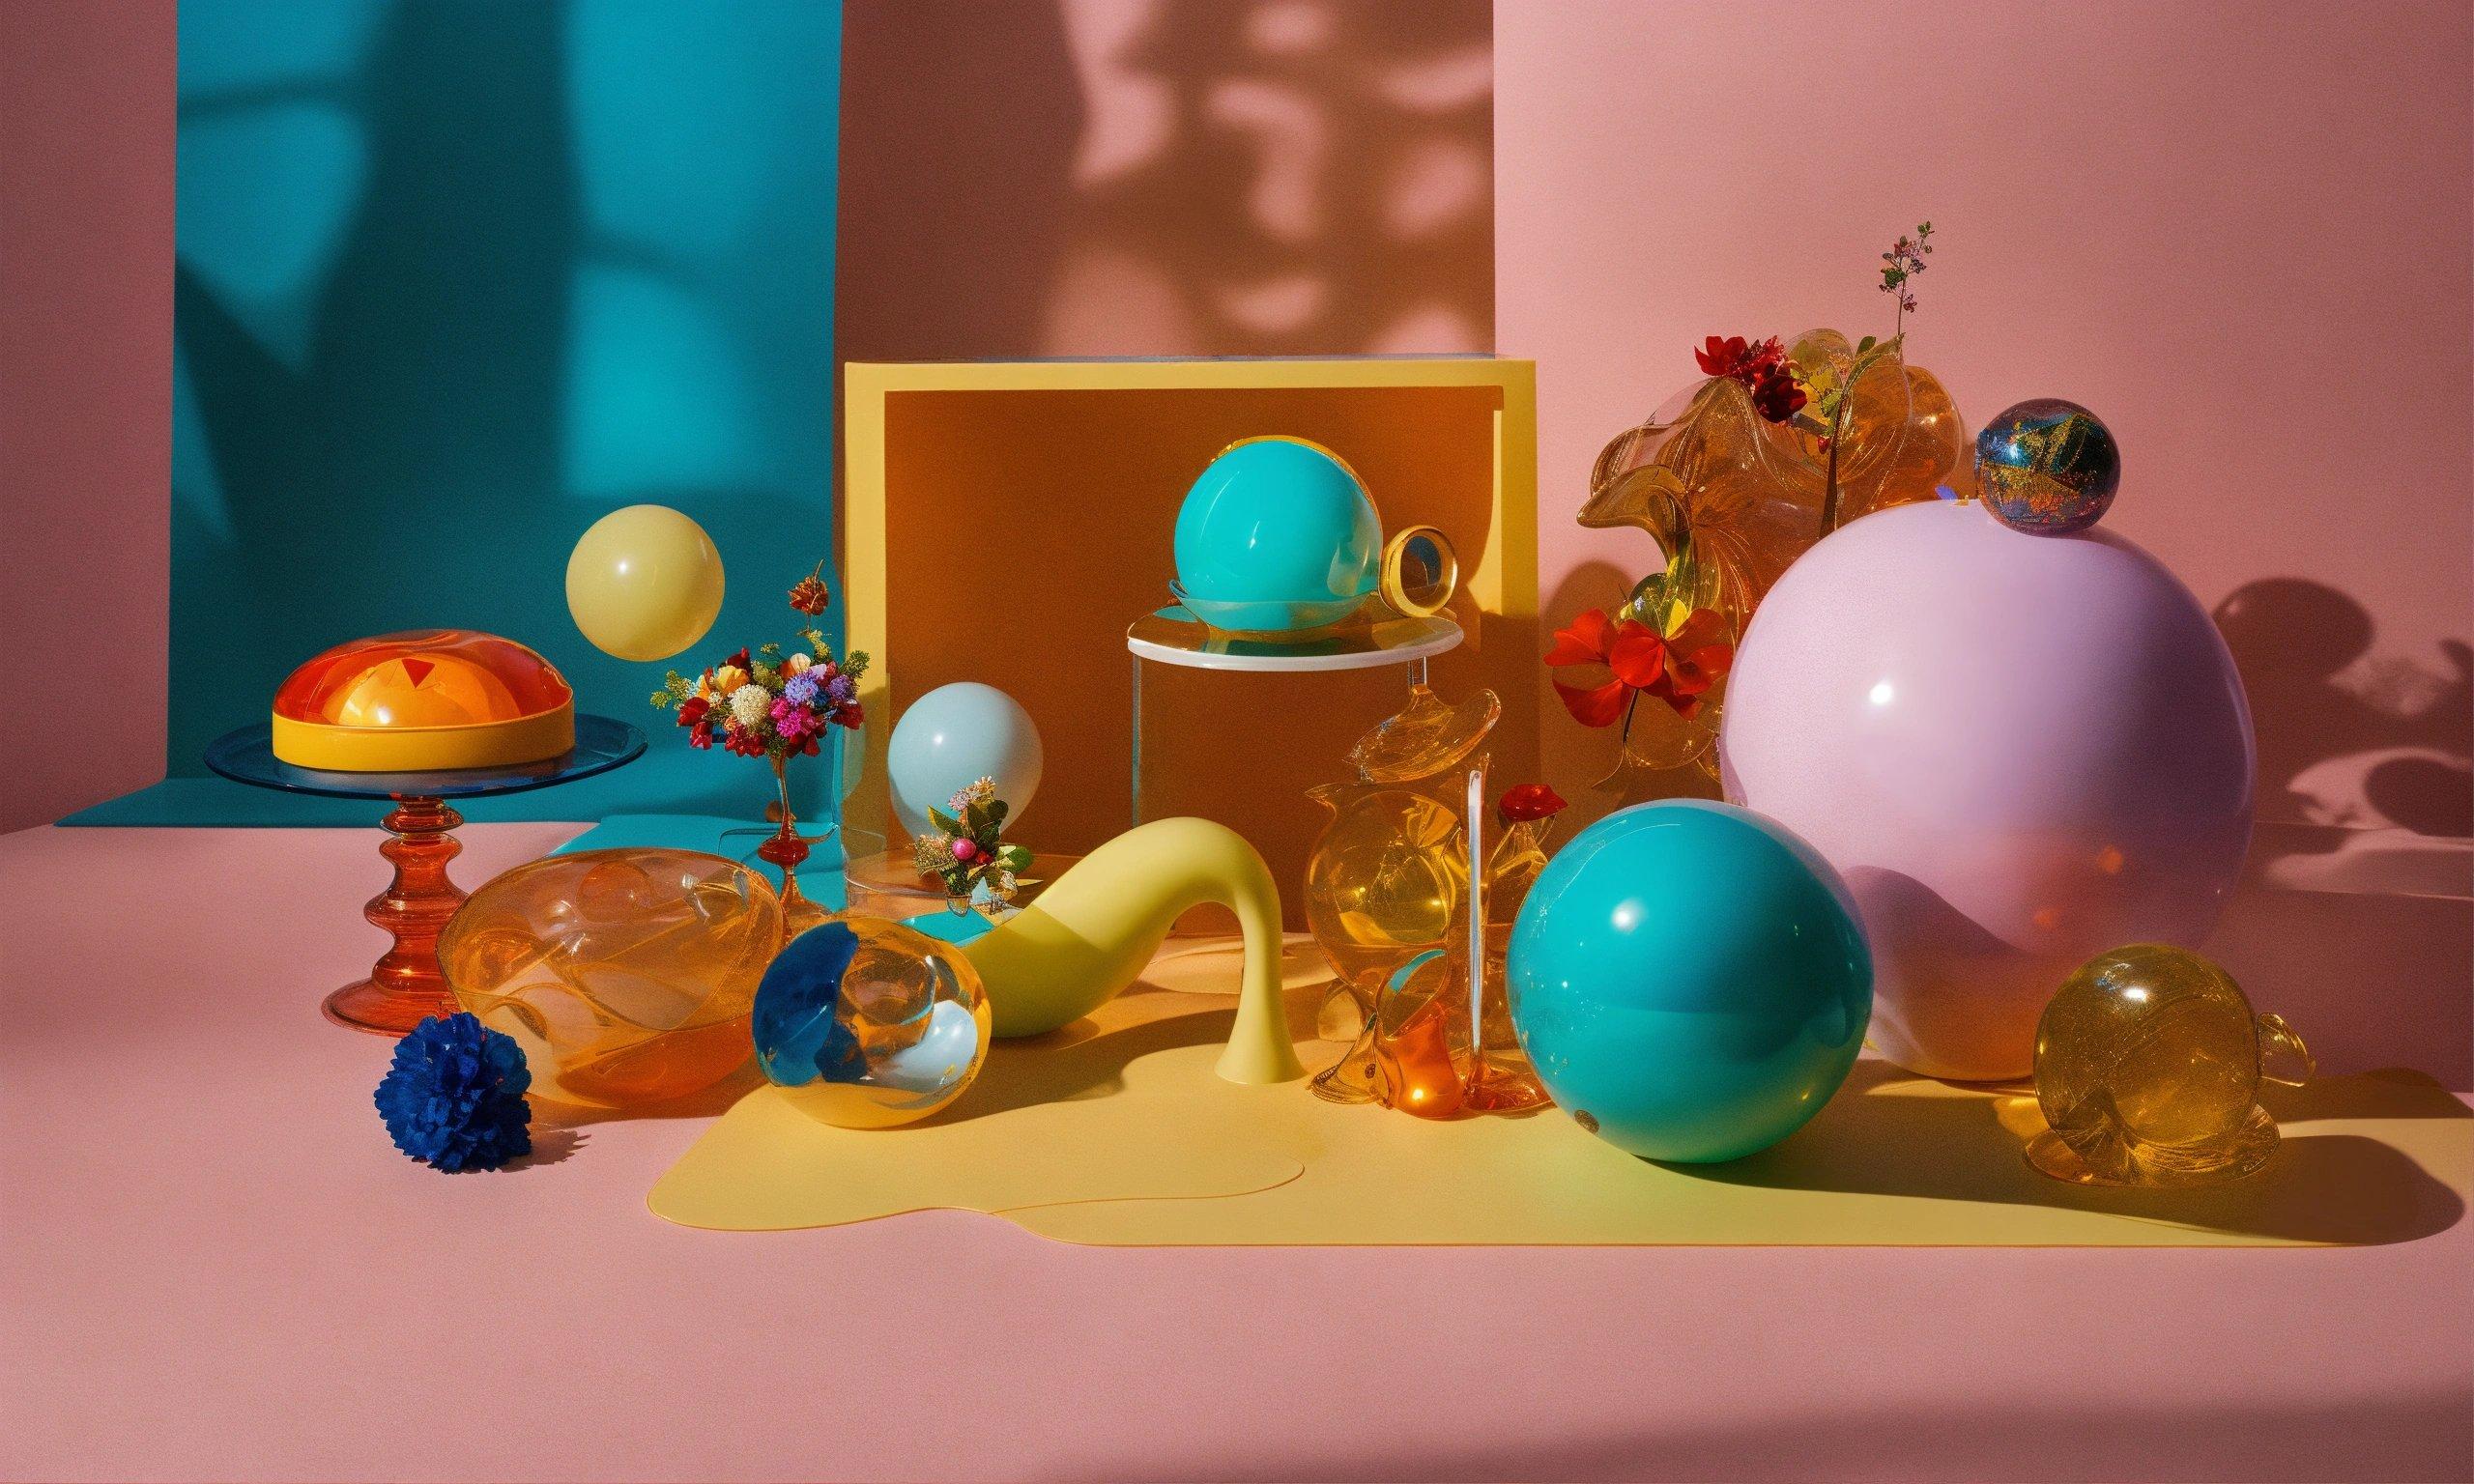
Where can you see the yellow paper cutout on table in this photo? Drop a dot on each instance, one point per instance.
(1104, 1134)
(1022, 1135)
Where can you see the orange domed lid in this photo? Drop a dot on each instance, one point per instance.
(422, 678)
(476, 699)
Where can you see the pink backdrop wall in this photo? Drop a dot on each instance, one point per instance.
(2238, 231)
(86, 97)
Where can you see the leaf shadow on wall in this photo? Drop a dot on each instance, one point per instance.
(1177, 178)
(490, 338)
(2319, 695)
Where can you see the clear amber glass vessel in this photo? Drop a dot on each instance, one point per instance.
(627, 976)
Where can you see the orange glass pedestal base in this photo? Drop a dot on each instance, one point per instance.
(405, 987)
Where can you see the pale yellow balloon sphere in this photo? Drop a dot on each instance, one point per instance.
(645, 583)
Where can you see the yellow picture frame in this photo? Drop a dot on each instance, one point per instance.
(1499, 577)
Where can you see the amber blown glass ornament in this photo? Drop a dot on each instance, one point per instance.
(1732, 497)
(1389, 897)
(1746, 496)
(1416, 1052)
(627, 976)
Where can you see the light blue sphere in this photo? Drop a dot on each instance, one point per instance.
(1690, 979)
(952, 737)
(1278, 521)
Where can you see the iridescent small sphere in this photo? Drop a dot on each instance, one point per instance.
(2047, 466)
(864, 1023)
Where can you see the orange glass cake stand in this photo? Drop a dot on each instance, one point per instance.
(405, 987)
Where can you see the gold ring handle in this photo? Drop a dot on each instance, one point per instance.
(2282, 1051)
(1421, 572)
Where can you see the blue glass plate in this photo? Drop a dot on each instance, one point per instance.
(602, 743)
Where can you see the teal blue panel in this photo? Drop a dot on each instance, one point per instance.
(821, 878)
(456, 278)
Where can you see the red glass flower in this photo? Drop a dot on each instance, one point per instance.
(1762, 367)
(809, 595)
(1529, 801)
(1697, 654)
(1632, 653)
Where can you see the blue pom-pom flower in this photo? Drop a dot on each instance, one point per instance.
(454, 1098)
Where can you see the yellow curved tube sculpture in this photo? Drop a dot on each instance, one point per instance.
(1094, 928)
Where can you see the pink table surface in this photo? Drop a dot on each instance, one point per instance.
(217, 1267)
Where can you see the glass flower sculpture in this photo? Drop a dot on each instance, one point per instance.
(1737, 477)
(1732, 496)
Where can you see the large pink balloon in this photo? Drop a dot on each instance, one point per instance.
(2020, 751)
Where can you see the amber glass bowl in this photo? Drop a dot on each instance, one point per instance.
(421, 700)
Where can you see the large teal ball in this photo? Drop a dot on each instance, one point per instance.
(1277, 520)
(1691, 980)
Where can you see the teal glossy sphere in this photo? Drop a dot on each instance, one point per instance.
(1691, 980)
(1275, 521)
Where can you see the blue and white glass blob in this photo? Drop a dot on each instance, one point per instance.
(865, 1023)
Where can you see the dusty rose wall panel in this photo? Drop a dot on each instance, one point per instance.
(2242, 233)
(86, 93)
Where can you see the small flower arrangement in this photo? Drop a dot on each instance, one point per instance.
(967, 851)
(770, 703)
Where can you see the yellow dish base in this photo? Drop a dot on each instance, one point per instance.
(1113, 1132)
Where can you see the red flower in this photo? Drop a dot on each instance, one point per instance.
(809, 596)
(700, 735)
(1744, 362)
(1776, 396)
(1721, 357)
(692, 710)
(1762, 367)
(1696, 657)
(1676, 670)
(1632, 654)
(739, 659)
(1529, 801)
